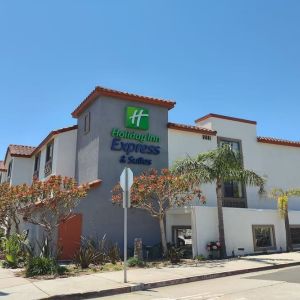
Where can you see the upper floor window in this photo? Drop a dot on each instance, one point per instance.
(9, 169)
(235, 145)
(49, 152)
(49, 157)
(234, 193)
(233, 189)
(36, 170)
(87, 122)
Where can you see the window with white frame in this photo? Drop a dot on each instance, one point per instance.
(263, 237)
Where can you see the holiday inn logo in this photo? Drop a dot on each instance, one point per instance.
(137, 118)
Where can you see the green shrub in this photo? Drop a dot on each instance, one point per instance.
(113, 253)
(135, 262)
(15, 249)
(97, 253)
(37, 266)
(200, 257)
(175, 254)
(89, 253)
(45, 248)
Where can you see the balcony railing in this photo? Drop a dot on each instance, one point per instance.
(48, 168)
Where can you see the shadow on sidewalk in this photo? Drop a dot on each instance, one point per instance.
(268, 261)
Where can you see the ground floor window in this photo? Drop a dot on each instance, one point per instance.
(263, 237)
(295, 235)
(182, 235)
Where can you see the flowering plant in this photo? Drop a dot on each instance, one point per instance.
(211, 246)
(158, 191)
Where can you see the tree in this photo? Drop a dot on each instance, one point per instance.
(157, 192)
(282, 198)
(49, 203)
(9, 206)
(218, 166)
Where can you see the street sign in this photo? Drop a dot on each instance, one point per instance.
(123, 184)
(126, 181)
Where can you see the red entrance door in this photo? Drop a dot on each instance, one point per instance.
(69, 235)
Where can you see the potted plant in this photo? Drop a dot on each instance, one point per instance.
(214, 249)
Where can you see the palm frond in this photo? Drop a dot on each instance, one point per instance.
(220, 164)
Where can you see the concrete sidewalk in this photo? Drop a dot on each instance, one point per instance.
(110, 283)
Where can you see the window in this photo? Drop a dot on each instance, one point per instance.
(49, 151)
(235, 145)
(182, 235)
(49, 157)
(9, 169)
(295, 235)
(87, 122)
(263, 237)
(37, 162)
(234, 193)
(233, 189)
(36, 170)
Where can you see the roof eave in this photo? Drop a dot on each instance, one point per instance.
(194, 129)
(97, 92)
(272, 141)
(228, 118)
(51, 136)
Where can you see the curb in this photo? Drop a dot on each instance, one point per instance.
(151, 285)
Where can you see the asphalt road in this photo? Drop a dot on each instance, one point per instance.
(278, 284)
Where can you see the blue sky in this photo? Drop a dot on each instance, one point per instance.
(238, 58)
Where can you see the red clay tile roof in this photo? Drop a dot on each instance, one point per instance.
(189, 128)
(2, 166)
(225, 118)
(20, 150)
(269, 140)
(101, 91)
(51, 135)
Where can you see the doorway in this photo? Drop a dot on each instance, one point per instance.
(69, 237)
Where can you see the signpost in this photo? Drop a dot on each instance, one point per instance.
(126, 181)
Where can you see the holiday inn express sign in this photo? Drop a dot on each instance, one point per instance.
(135, 118)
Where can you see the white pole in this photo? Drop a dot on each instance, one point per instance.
(125, 225)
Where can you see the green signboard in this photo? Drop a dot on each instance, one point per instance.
(137, 118)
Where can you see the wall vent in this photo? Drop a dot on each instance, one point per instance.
(206, 137)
